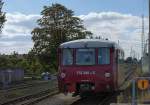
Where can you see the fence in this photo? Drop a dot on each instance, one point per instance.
(9, 76)
(141, 90)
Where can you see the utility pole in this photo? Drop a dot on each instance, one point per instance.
(131, 52)
(142, 43)
(149, 36)
(142, 38)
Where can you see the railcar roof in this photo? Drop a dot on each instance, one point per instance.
(82, 43)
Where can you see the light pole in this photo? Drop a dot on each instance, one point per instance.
(149, 35)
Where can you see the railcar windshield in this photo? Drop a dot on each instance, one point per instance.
(67, 56)
(85, 57)
(104, 56)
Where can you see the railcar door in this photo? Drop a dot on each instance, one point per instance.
(121, 69)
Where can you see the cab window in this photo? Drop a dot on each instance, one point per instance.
(67, 57)
(85, 57)
(104, 56)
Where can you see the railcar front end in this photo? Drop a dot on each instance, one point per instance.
(87, 66)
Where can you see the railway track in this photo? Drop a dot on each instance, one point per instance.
(105, 99)
(26, 85)
(108, 99)
(32, 98)
(27, 93)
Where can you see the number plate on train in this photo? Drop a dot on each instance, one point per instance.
(86, 72)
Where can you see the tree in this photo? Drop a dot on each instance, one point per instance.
(2, 16)
(57, 25)
(129, 60)
(3, 62)
(36, 67)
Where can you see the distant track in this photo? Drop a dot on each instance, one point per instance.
(26, 85)
(33, 98)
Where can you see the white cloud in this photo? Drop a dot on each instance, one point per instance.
(18, 46)
(19, 24)
(117, 26)
(16, 35)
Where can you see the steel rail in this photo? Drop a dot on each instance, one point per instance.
(31, 97)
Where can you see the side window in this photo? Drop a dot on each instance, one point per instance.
(121, 56)
(67, 57)
(104, 56)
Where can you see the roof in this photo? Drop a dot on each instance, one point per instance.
(82, 43)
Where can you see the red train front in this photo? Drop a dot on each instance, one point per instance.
(88, 65)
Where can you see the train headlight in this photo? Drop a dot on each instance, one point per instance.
(93, 87)
(62, 75)
(107, 75)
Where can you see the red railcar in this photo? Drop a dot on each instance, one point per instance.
(90, 65)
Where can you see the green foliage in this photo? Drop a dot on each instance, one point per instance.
(36, 67)
(3, 62)
(2, 16)
(10, 61)
(13, 61)
(57, 25)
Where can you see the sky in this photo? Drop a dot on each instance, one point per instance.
(113, 19)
